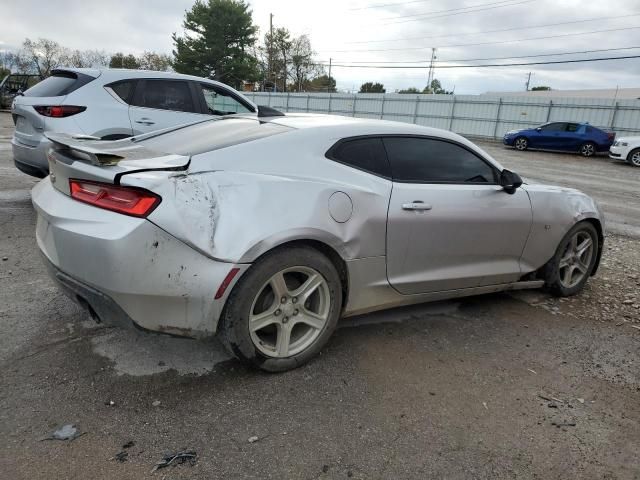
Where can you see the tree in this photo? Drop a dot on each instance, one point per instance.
(42, 56)
(218, 38)
(85, 58)
(322, 83)
(302, 65)
(436, 87)
(541, 88)
(154, 61)
(120, 60)
(370, 87)
(409, 90)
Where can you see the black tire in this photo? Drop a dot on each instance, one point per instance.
(233, 329)
(588, 149)
(634, 157)
(521, 143)
(551, 271)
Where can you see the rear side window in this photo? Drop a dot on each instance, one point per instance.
(429, 160)
(58, 84)
(165, 95)
(220, 102)
(572, 127)
(124, 89)
(364, 154)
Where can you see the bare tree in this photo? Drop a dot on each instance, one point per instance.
(43, 54)
(154, 61)
(85, 58)
(303, 67)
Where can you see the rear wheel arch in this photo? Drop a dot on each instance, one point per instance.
(325, 249)
(598, 226)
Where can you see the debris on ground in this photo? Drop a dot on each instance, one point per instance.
(121, 456)
(156, 403)
(177, 458)
(581, 400)
(129, 444)
(565, 424)
(66, 432)
(252, 439)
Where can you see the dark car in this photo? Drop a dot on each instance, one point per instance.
(13, 84)
(567, 136)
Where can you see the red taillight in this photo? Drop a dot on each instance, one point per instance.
(133, 201)
(58, 111)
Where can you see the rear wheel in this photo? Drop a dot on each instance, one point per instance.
(634, 157)
(283, 310)
(588, 149)
(521, 143)
(569, 269)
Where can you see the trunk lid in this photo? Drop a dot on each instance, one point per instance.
(87, 158)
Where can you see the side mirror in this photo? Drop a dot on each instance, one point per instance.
(510, 181)
(538, 129)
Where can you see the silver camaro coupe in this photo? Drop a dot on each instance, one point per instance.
(266, 231)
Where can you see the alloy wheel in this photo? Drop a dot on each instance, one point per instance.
(587, 150)
(635, 159)
(521, 144)
(574, 263)
(289, 312)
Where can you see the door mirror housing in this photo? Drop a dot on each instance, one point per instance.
(510, 181)
(538, 129)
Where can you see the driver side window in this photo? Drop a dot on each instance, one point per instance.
(220, 102)
(428, 160)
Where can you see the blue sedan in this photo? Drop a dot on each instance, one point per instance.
(570, 137)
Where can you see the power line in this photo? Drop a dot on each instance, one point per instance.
(487, 43)
(491, 65)
(490, 58)
(459, 13)
(495, 31)
(426, 14)
(381, 5)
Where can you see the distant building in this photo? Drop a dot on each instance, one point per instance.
(618, 94)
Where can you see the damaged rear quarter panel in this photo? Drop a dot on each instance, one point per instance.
(237, 203)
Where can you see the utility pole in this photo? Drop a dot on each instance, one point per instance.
(528, 82)
(432, 68)
(329, 79)
(270, 48)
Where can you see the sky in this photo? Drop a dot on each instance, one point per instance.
(377, 31)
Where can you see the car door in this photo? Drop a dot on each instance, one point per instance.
(550, 135)
(162, 103)
(571, 137)
(450, 225)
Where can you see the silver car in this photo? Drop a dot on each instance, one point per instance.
(112, 104)
(267, 231)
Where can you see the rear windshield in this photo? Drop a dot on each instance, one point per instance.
(211, 135)
(58, 84)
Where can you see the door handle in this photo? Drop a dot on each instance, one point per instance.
(417, 205)
(145, 121)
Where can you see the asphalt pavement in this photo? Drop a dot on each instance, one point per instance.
(500, 386)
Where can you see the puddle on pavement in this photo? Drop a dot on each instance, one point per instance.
(402, 314)
(140, 354)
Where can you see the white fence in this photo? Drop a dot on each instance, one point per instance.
(478, 116)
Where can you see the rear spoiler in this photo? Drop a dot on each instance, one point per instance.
(123, 153)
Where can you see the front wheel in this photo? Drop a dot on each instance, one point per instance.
(521, 143)
(634, 157)
(571, 266)
(283, 310)
(588, 149)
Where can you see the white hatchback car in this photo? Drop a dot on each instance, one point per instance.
(626, 148)
(111, 104)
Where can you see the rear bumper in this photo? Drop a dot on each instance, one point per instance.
(128, 270)
(31, 160)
